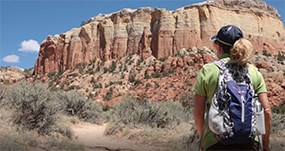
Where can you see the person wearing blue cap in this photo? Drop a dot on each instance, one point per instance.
(234, 53)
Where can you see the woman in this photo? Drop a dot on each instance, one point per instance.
(230, 46)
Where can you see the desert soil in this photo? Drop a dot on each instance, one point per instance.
(93, 138)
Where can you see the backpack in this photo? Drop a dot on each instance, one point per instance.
(232, 116)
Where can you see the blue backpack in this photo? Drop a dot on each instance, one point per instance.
(232, 114)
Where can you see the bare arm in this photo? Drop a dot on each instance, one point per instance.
(268, 120)
(199, 109)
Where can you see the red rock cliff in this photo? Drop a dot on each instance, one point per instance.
(159, 32)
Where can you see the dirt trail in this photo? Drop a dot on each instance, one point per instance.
(92, 136)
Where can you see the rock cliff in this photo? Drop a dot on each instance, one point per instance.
(160, 33)
(156, 54)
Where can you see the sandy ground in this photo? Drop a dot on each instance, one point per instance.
(92, 136)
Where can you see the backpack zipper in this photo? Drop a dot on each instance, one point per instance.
(242, 108)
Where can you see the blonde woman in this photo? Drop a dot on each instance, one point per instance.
(233, 49)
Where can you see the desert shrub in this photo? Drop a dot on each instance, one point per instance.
(265, 53)
(139, 62)
(143, 112)
(187, 140)
(10, 142)
(15, 139)
(278, 122)
(59, 144)
(108, 95)
(163, 59)
(63, 128)
(73, 87)
(176, 112)
(29, 71)
(132, 78)
(106, 70)
(81, 67)
(280, 56)
(28, 111)
(35, 106)
(76, 105)
(187, 101)
(2, 94)
(148, 85)
(51, 74)
(112, 67)
(279, 109)
(8, 137)
(156, 74)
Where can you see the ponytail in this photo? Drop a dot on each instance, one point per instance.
(241, 52)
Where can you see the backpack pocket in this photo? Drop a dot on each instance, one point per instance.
(260, 125)
(215, 118)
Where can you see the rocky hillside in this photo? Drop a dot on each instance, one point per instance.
(169, 78)
(160, 33)
(155, 53)
(11, 74)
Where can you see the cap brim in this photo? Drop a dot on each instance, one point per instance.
(213, 38)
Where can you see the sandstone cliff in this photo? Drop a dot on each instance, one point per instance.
(160, 33)
(155, 53)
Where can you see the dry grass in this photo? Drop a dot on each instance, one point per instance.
(180, 138)
(130, 123)
(16, 137)
(165, 124)
(278, 132)
(13, 137)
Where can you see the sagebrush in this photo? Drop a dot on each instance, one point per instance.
(35, 107)
(144, 112)
(76, 104)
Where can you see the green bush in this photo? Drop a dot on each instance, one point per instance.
(156, 74)
(113, 67)
(162, 59)
(143, 112)
(81, 67)
(76, 105)
(279, 109)
(132, 78)
(280, 56)
(51, 74)
(27, 112)
(265, 53)
(108, 95)
(139, 62)
(35, 107)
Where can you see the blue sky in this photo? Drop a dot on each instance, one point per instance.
(24, 24)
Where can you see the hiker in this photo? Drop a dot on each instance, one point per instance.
(235, 52)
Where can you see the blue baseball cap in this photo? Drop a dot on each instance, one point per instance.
(228, 35)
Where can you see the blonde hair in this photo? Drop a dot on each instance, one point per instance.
(241, 52)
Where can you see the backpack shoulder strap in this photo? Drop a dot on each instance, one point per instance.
(221, 64)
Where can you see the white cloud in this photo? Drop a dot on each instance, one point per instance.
(30, 46)
(11, 59)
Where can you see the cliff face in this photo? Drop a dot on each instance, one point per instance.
(159, 32)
